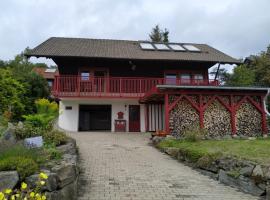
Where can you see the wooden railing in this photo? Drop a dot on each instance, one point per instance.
(79, 86)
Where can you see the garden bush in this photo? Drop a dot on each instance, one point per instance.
(28, 130)
(194, 134)
(53, 153)
(24, 166)
(55, 137)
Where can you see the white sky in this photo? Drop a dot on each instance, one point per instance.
(236, 27)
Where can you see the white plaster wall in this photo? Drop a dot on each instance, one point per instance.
(69, 119)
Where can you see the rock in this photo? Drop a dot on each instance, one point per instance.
(20, 125)
(244, 183)
(157, 139)
(51, 182)
(247, 171)
(268, 192)
(68, 148)
(66, 173)
(257, 171)
(9, 135)
(227, 137)
(251, 138)
(69, 192)
(168, 137)
(266, 171)
(172, 151)
(9, 179)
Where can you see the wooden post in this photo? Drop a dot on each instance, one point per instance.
(233, 115)
(167, 114)
(264, 122)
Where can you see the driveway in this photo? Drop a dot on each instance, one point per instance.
(125, 166)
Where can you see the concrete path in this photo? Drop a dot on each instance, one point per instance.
(124, 166)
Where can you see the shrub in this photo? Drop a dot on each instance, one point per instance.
(44, 106)
(194, 134)
(44, 121)
(55, 137)
(28, 130)
(24, 166)
(52, 152)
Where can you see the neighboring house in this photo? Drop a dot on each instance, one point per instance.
(47, 73)
(120, 85)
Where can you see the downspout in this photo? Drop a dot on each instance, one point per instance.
(265, 99)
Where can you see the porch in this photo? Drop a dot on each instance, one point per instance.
(117, 87)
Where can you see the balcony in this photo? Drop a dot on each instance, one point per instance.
(126, 87)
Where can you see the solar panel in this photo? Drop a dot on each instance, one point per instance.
(50, 70)
(162, 47)
(147, 46)
(191, 47)
(176, 47)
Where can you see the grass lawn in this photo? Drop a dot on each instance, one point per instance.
(255, 150)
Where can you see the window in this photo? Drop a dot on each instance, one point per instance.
(176, 47)
(85, 76)
(147, 46)
(171, 79)
(185, 78)
(50, 83)
(191, 48)
(198, 79)
(161, 47)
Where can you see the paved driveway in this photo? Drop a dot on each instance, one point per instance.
(125, 166)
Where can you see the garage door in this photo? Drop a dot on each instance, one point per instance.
(95, 117)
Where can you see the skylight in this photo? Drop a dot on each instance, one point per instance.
(148, 46)
(161, 47)
(191, 47)
(176, 47)
(50, 70)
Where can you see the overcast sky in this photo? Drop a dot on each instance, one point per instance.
(236, 27)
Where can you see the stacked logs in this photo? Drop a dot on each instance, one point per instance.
(248, 121)
(217, 120)
(183, 117)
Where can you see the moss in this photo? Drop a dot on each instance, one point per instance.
(234, 173)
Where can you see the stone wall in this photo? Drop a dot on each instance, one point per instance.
(216, 116)
(245, 175)
(62, 175)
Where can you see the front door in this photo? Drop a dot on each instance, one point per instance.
(134, 118)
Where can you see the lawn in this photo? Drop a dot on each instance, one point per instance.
(255, 150)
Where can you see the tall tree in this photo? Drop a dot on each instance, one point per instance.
(159, 35)
(241, 76)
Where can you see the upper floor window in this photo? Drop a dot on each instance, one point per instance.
(185, 78)
(171, 79)
(198, 78)
(85, 76)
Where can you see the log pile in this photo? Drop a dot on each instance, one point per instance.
(248, 121)
(217, 120)
(183, 117)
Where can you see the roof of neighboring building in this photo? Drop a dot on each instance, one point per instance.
(47, 73)
(124, 49)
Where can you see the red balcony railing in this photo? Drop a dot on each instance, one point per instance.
(79, 86)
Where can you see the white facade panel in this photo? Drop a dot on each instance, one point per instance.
(69, 119)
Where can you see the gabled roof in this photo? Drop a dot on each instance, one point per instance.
(124, 49)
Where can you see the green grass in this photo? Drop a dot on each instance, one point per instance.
(254, 150)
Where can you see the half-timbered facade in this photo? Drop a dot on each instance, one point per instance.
(137, 86)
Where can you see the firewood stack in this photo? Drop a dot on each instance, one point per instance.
(182, 117)
(217, 120)
(248, 120)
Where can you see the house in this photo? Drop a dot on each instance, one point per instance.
(138, 86)
(47, 73)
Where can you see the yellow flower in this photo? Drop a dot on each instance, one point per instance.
(32, 194)
(43, 175)
(17, 195)
(8, 191)
(13, 197)
(42, 182)
(24, 185)
(25, 198)
(2, 196)
(43, 197)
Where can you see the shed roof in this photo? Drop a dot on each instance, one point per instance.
(124, 49)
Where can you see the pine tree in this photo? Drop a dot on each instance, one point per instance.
(158, 35)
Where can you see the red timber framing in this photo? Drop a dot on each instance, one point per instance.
(203, 103)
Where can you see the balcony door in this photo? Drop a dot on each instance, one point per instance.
(134, 118)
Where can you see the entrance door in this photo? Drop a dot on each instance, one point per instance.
(95, 118)
(134, 118)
